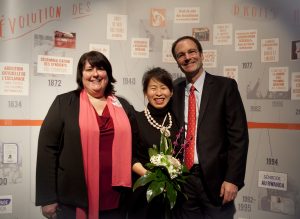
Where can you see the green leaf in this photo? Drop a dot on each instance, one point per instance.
(163, 144)
(143, 180)
(185, 169)
(162, 173)
(152, 151)
(170, 147)
(155, 188)
(171, 194)
(150, 165)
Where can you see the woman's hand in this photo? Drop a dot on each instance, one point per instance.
(49, 211)
(139, 169)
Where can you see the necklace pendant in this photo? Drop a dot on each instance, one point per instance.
(165, 131)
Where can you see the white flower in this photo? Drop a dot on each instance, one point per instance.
(172, 164)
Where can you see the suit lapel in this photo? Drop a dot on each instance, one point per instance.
(208, 82)
(179, 95)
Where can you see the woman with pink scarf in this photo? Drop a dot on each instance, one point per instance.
(84, 147)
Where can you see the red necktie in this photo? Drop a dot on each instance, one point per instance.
(191, 126)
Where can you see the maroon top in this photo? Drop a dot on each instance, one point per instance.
(109, 198)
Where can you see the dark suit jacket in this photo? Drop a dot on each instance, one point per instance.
(222, 133)
(60, 171)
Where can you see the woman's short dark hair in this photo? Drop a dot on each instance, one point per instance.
(98, 60)
(198, 44)
(158, 74)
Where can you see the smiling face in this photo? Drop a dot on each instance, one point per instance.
(189, 59)
(94, 80)
(158, 94)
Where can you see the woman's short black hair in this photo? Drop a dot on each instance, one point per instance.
(198, 44)
(158, 74)
(98, 60)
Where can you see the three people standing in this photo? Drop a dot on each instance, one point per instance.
(84, 152)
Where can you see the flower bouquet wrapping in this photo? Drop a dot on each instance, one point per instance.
(166, 173)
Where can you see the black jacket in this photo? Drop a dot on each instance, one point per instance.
(222, 133)
(60, 171)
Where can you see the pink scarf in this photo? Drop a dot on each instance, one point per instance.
(121, 150)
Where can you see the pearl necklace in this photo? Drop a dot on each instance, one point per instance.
(163, 129)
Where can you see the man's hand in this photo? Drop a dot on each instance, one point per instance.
(228, 192)
(49, 211)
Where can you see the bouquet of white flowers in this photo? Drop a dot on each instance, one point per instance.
(165, 173)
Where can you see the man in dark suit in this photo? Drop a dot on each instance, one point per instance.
(221, 135)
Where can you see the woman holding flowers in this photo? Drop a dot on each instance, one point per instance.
(155, 120)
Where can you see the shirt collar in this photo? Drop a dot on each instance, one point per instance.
(198, 83)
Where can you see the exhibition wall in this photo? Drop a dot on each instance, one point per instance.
(256, 42)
